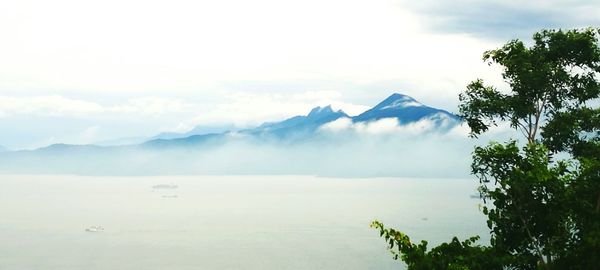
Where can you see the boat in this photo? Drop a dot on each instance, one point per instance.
(475, 196)
(94, 229)
(165, 186)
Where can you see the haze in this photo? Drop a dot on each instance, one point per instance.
(82, 72)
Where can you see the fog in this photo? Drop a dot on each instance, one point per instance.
(338, 149)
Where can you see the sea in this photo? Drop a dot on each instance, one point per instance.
(61, 222)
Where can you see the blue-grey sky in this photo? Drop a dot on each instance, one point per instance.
(504, 20)
(84, 71)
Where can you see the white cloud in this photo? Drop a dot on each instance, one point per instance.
(338, 125)
(504, 19)
(67, 107)
(197, 45)
(47, 105)
(89, 135)
(461, 130)
(240, 108)
(380, 127)
(502, 132)
(153, 105)
(147, 116)
(317, 95)
(177, 64)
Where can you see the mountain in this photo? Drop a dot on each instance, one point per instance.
(407, 110)
(121, 141)
(294, 145)
(404, 108)
(297, 126)
(198, 130)
(212, 139)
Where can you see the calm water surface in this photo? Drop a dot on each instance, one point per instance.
(223, 222)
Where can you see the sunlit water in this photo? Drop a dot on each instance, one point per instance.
(223, 222)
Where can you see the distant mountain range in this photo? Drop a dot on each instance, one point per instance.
(297, 145)
(404, 108)
(198, 130)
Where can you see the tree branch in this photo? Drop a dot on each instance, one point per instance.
(538, 115)
(521, 127)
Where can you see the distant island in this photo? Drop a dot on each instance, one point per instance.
(393, 138)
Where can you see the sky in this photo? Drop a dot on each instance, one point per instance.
(80, 72)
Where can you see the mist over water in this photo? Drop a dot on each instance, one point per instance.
(234, 201)
(330, 153)
(224, 222)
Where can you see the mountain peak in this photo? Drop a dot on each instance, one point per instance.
(406, 109)
(397, 101)
(399, 96)
(319, 111)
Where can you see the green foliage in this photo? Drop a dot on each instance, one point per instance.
(543, 213)
(455, 255)
(529, 218)
(558, 72)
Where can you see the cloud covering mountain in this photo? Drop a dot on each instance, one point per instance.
(398, 137)
(241, 62)
(397, 112)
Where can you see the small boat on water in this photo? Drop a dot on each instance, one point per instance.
(94, 229)
(475, 196)
(165, 186)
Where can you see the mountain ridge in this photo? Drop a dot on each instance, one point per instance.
(404, 108)
(303, 144)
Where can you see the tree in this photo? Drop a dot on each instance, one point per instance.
(546, 211)
(455, 255)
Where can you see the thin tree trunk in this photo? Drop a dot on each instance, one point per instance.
(598, 204)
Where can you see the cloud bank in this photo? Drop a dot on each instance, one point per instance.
(359, 155)
(37, 121)
(340, 148)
